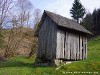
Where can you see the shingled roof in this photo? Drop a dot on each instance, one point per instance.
(64, 22)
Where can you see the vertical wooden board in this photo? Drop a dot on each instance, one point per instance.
(70, 52)
(51, 30)
(41, 46)
(62, 44)
(54, 41)
(72, 46)
(75, 44)
(45, 35)
(47, 40)
(83, 47)
(58, 48)
(69, 38)
(58, 44)
(66, 46)
(77, 47)
(73, 49)
(86, 48)
(43, 39)
(80, 47)
(48, 46)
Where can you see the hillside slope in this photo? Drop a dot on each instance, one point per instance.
(19, 40)
(91, 64)
(20, 65)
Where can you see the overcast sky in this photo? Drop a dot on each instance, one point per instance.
(63, 7)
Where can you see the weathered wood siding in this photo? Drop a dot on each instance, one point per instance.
(60, 44)
(47, 40)
(70, 46)
(55, 43)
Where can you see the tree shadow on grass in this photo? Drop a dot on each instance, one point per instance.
(16, 64)
(20, 64)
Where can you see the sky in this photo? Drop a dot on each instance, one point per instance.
(63, 7)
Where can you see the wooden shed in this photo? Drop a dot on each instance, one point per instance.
(61, 38)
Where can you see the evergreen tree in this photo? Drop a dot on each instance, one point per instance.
(92, 22)
(88, 22)
(77, 11)
(94, 14)
(96, 21)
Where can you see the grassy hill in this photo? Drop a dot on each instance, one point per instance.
(21, 65)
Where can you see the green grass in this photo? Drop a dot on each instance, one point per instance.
(21, 65)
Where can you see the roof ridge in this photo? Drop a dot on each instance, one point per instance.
(66, 22)
(60, 15)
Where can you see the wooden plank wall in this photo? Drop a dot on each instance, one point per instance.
(47, 40)
(57, 44)
(80, 50)
(60, 44)
(72, 47)
(77, 47)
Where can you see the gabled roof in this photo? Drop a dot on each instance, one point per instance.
(64, 22)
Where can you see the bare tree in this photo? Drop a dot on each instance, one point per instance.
(17, 33)
(5, 7)
(11, 36)
(19, 17)
(37, 17)
(24, 12)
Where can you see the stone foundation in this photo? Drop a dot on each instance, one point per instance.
(53, 62)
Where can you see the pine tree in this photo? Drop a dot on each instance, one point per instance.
(77, 11)
(96, 20)
(88, 22)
